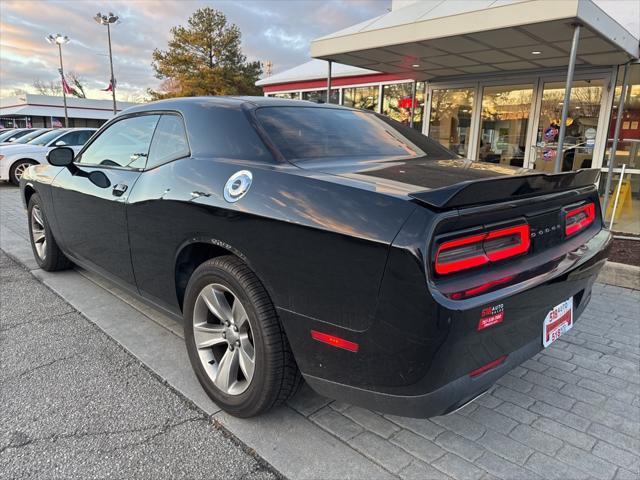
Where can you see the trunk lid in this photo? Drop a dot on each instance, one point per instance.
(448, 183)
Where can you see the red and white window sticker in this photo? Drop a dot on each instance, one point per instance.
(491, 316)
(558, 322)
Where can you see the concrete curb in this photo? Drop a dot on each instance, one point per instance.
(620, 275)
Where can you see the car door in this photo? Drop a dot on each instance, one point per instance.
(92, 218)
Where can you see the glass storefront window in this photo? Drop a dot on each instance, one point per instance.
(396, 103)
(627, 219)
(320, 96)
(450, 121)
(289, 95)
(582, 122)
(365, 98)
(503, 129)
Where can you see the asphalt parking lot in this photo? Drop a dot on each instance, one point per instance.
(76, 405)
(571, 412)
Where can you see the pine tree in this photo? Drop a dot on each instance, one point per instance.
(205, 58)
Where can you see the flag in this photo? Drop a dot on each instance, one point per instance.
(112, 84)
(65, 86)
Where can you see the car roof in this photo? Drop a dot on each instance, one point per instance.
(182, 103)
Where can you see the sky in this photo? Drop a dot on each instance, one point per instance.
(275, 30)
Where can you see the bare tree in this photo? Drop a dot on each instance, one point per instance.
(77, 84)
(48, 88)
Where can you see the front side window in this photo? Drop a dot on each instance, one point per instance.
(123, 144)
(302, 133)
(169, 141)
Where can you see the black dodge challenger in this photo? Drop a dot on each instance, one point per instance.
(299, 240)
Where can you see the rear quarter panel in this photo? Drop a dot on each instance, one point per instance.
(319, 247)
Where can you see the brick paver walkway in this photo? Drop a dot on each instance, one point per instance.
(571, 412)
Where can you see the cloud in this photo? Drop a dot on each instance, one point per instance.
(275, 30)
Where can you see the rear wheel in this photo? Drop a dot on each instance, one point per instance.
(44, 246)
(17, 170)
(235, 341)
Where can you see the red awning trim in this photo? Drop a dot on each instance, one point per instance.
(335, 82)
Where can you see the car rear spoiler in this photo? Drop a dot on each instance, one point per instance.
(476, 192)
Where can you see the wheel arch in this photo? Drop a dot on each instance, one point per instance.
(194, 253)
(29, 190)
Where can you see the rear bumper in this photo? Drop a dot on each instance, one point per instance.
(437, 402)
(402, 370)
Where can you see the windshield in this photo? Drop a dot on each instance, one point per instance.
(302, 133)
(45, 138)
(30, 136)
(5, 135)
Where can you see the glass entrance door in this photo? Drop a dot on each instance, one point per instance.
(504, 123)
(582, 124)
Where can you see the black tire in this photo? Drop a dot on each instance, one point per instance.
(53, 258)
(276, 376)
(13, 176)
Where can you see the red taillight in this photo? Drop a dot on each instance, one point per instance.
(479, 249)
(334, 341)
(579, 218)
(488, 366)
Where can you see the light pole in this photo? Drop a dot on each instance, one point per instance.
(60, 40)
(108, 20)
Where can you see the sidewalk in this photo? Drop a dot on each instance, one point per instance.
(76, 405)
(571, 412)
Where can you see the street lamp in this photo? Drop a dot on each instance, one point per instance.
(108, 20)
(60, 40)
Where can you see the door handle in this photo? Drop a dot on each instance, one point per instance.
(119, 189)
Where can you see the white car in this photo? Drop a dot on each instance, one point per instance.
(16, 158)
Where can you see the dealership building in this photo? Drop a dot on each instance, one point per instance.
(488, 79)
(30, 110)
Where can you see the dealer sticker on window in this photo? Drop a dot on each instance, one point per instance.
(559, 321)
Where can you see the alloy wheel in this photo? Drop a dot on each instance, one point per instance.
(38, 233)
(20, 169)
(224, 339)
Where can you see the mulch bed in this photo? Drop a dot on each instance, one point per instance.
(625, 251)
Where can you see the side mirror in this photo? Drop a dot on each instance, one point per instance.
(60, 143)
(61, 156)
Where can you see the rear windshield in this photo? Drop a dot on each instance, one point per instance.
(303, 133)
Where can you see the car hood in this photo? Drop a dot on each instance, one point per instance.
(21, 149)
(400, 176)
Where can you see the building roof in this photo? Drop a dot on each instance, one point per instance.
(53, 106)
(438, 38)
(312, 70)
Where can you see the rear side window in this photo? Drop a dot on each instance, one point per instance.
(169, 141)
(302, 133)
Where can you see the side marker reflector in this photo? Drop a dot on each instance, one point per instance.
(334, 341)
(488, 366)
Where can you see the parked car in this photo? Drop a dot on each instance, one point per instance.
(15, 134)
(298, 238)
(28, 137)
(16, 158)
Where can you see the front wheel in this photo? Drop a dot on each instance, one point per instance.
(17, 170)
(235, 342)
(44, 246)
